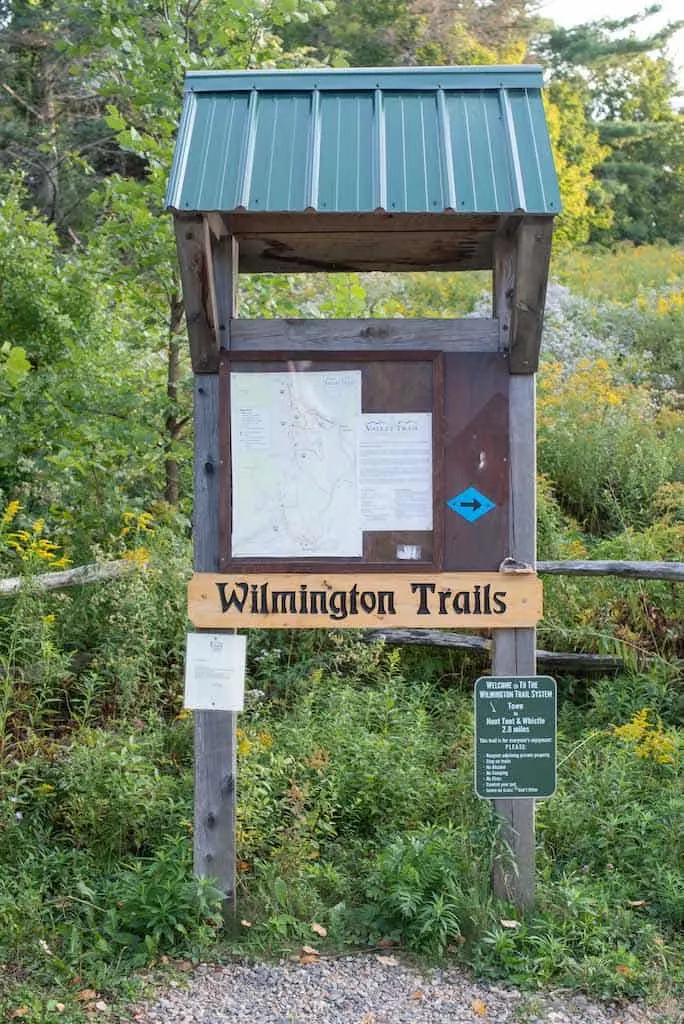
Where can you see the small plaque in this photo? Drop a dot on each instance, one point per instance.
(515, 737)
(215, 671)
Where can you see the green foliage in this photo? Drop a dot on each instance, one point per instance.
(605, 443)
(355, 794)
(627, 86)
(428, 888)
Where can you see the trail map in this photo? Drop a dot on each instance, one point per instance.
(295, 464)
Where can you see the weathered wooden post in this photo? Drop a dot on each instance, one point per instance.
(407, 477)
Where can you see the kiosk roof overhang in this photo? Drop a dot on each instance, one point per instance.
(287, 159)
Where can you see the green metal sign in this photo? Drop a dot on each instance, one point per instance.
(515, 737)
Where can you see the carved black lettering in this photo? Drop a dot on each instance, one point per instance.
(338, 604)
(461, 603)
(423, 589)
(318, 602)
(353, 604)
(443, 597)
(499, 603)
(368, 601)
(386, 602)
(233, 601)
(487, 602)
(477, 608)
(283, 601)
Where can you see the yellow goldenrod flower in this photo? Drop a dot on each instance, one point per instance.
(10, 513)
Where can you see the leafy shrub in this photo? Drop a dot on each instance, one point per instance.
(428, 887)
(605, 445)
(111, 798)
(157, 906)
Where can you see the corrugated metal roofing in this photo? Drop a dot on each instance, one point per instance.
(470, 140)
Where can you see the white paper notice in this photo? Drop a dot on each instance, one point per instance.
(215, 671)
(396, 471)
(295, 464)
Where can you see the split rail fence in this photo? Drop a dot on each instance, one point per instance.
(549, 661)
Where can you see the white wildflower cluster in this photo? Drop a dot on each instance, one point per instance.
(578, 329)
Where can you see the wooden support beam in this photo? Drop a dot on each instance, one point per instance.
(194, 260)
(514, 650)
(215, 731)
(471, 335)
(532, 256)
(272, 223)
(503, 280)
(389, 251)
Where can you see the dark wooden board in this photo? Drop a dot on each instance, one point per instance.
(476, 455)
(351, 251)
(266, 224)
(470, 423)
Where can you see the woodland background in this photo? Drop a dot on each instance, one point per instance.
(356, 804)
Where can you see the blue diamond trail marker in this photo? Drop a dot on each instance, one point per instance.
(471, 504)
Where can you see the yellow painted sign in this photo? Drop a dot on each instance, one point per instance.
(364, 600)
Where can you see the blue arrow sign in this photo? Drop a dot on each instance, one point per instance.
(471, 504)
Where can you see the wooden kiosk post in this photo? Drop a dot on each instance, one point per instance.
(430, 519)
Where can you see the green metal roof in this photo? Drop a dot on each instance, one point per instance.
(417, 140)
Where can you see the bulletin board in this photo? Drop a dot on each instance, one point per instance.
(346, 461)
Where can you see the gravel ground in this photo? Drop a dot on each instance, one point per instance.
(367, 989)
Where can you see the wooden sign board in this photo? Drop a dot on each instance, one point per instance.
(515, 737)
(358, 601)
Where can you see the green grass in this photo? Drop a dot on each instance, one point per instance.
(356, 812)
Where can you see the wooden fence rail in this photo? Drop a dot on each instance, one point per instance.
(96, 572)
(68, 577)
(629, 570)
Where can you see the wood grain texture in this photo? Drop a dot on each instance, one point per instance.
(363, 600)
(195, 273)
(627, 570)
(265, 224)
(475, 454)
(532, 259)
(514, 650)
(332, 251)
(215, 731)
(224, 252)
(471, 335)
(503, 283)
(565, 661)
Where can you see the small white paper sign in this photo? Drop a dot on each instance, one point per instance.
(215, 671)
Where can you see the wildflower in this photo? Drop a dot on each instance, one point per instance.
(139, 556)
(10, 513)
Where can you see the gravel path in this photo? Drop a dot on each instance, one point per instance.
(367, 989)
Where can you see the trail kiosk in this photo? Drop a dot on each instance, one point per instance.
(363, 472)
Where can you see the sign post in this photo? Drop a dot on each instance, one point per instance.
(364, 473)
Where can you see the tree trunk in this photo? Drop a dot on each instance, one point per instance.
(174, 425)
